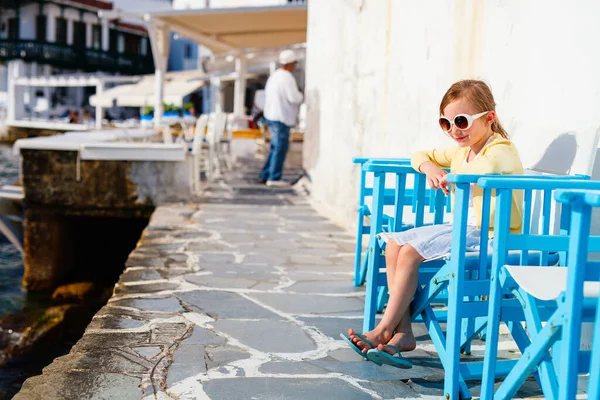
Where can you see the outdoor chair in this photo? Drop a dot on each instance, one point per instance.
(554, 301)
(465, 275)
(364, 209)
(214, 134)
(197, 154)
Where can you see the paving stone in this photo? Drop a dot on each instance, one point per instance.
(282, 388)
(165, 304)
(146, 261)
(148, 352)
(179, 257)
(301, 276)
(115, 323)
(304, 259)
(188, 360)
(332, 327)
(330, 287)
(290, 367)
(220, 356)
(204, 337)
(192, 235)
(145, 288)
(91, 340)
(345, 354)
(331, 268)
(168, 332)
(215, 259)
(266, 286)
(430, 386)
(212, 246)
(168, 246)
(125, 313)
(309, 304)
(391, 390)
(271, 259)
(371, 371)
(140, 275)
(108, 360)
(225, 305)
(81, 385)
(233, 282)
(268, 336)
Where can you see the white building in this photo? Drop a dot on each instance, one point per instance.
(54, 37)
(377, 70)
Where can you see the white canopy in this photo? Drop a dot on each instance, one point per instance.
(177, 86)
(233, 29)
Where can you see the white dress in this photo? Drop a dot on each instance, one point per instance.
(435, 241)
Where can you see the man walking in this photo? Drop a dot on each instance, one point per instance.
(282, 99)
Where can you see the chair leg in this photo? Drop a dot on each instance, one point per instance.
(372, 284)
(358, 249)
(363, 270)
(453, 333)
(531, 358)
(439, 341)
(594, 379)
(382, 298)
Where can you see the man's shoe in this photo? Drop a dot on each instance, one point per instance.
(278, 184)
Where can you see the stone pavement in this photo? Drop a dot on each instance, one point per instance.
(241, 295)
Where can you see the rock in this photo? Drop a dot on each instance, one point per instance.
(75, 292)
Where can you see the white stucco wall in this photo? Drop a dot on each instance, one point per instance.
(376, 71)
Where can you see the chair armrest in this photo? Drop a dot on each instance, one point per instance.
(389, 168)
(362, 160)
(463, 178)
(536, 183)
(591, 198)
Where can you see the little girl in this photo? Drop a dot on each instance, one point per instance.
(468, 116)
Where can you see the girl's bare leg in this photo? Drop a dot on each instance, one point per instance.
(402, 290)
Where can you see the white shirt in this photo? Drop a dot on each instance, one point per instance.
(282, 98)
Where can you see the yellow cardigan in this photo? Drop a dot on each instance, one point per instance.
(499, 156)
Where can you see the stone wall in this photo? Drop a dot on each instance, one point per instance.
(83, 218)
(376, 71)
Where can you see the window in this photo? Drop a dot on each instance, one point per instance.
(132, 44)
(13, 28)
(187, 51)
(113, 40)
(61, 30)
(143, 46)
(79, 35)
(40, 28)
(96, 36)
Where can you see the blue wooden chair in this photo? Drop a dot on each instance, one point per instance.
(464, 275)
(364, 209)
(555, 295)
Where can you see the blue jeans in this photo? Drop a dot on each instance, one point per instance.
(280, 142)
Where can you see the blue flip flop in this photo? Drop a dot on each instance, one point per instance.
(381, 357)
(358, 350)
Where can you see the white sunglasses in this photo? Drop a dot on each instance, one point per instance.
(461, 121)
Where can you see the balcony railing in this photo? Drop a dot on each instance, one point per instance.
(65, 56)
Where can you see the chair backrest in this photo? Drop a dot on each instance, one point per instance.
(199, 131)
(216, 127)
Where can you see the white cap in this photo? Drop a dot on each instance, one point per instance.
(287, 57)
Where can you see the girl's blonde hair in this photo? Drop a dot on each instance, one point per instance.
(479, 95)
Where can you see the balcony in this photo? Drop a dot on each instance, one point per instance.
(65, 56)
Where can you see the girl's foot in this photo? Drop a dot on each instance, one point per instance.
(404, 341)
(375, 337)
